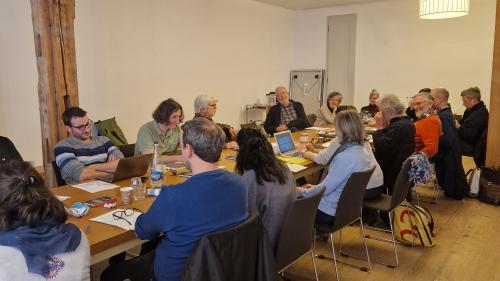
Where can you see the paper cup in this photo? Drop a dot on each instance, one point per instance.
(126, 193)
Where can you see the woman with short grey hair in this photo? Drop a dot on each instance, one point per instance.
(371, 109)
(326, 114)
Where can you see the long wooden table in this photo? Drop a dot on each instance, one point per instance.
(107, 240)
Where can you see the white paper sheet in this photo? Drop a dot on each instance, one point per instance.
(317, 128)
(121, 223)
(295, 167)
(95, 186)
(62, 198)
(326, 144)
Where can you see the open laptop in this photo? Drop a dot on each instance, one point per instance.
(286, 145)
(131, 167)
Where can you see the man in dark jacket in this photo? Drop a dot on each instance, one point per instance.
(448, 161)
(394, 141)
(285, 115)
(474, 122)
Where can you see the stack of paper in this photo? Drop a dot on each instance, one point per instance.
(62, 198)
(294, 160)
(295, 167)
(95, 186)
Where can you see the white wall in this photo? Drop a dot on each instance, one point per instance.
(19, 114)
(133, 55)
(396, 52)
(130, 56)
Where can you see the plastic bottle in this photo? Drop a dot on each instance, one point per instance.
(156, 168)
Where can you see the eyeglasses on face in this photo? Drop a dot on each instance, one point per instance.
(84, 126)
(418, 103)
(121, 215)
(213, 105)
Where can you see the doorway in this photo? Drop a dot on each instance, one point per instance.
(341, 48)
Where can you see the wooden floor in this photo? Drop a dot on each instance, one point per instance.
(468, 248)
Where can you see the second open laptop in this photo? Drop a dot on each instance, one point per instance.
(286, 145)
(131, 167)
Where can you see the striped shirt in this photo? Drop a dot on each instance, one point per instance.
(72, 155)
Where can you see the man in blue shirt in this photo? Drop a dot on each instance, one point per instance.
(212, 199)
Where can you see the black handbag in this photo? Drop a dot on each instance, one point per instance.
(489, 186)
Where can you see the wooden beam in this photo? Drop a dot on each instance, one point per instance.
(53, 30)
(492, 151)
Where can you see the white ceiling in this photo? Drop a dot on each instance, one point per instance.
(310, 4)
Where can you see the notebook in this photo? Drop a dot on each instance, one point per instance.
(286, 145)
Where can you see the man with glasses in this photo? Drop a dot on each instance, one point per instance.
(286, 114)
(82, 156)
(205, 106)
(211, 200)
(428, 126)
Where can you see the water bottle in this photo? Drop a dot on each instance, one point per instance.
(156, 168)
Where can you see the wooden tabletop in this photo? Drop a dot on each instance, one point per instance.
(103, 237)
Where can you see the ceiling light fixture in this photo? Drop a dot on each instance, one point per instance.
(443, 9)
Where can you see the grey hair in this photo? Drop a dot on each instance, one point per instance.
(334, 94)
(374, 92)
(349, 127)
(202, 101)
(205, 137)
(391, 102)
(426, 95)
(471, 93)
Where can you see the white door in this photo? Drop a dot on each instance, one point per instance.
(340, 56)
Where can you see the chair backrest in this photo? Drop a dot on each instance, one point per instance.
(239, 252)
(57, 173)
(311, 118)
(402, 185)
(127, 149)
(351, 199)
(297, 230)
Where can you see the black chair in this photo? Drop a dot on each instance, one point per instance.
(127, 149)
(242, 253)
(136, 269)
(387, 203)
(311, 118)
(349, 210)
(57, 173)
(297, 233)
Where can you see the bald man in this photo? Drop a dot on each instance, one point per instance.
(286, 114)
(448, 161)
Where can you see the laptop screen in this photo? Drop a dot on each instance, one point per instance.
(285, 141)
